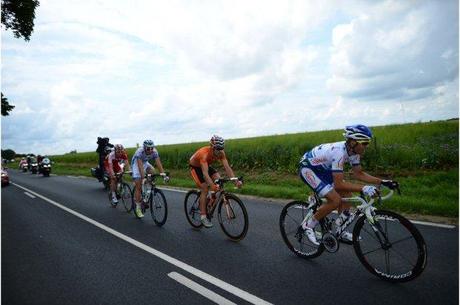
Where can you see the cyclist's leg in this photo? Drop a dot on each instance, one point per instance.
(137, 181)
(137, 189)
(320, 183)
(213, 173)
(333, 202)
(113, 184)
(197, 175)
(148, 168)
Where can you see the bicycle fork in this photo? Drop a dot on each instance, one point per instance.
(377, 228)
(228, 209)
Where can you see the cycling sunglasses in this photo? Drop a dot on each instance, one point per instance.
(364, 143)
(149, 148)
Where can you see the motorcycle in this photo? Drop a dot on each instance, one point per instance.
(45, 167)
(33, 166)
(103, 149)
(23, 166)
(101, 176)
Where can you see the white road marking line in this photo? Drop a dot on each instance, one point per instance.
(426, 223)
(172, 190)
(211, 295)
(198, 273)
(30, 195)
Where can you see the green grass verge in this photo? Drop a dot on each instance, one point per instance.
(426, 193)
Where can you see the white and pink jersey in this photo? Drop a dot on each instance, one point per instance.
(329, 157)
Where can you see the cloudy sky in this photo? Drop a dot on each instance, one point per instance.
(179, 71)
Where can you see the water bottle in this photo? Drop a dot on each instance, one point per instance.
(144, 193)
(342, 218)
(210, 199)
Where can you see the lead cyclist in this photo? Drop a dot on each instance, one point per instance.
(322, 170)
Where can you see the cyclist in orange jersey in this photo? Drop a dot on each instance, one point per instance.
(204, 175)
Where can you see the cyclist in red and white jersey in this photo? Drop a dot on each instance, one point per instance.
(322, 170)
(115, 162)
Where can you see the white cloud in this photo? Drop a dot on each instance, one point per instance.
(396, 51)
(179, 71)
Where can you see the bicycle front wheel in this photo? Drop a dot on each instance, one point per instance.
(126, 195)
(291, 218)
(391, 248)
(233, 217)
(158, 207)
(192, 208)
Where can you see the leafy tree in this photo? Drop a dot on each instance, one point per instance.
(6, 107)
(19, 15)
(8, 154)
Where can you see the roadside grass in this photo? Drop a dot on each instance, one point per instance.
(426, 193)
(423, 157)
(417, 146)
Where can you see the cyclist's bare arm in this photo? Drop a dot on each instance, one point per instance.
(110, 168)
(205, 168)
(127, 166)
(343, 186)
(141, 167)
(228, 169)
(359, 174)
(159, 165)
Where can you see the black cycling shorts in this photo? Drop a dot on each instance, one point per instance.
(197, 173)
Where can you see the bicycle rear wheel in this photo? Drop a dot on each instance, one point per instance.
(291, 218)
(392, 248)
(126, 195)
(192, 208)
(233, 217)
(158, 207)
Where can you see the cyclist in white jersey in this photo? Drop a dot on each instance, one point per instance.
(322, 169)
(140, 165)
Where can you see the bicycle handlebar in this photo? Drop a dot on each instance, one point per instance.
(122, 173)
(363, 200)
(156, 175)
(221, 181)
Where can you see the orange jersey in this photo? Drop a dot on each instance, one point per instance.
(205, 155)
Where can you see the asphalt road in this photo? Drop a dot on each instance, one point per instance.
(52, 254)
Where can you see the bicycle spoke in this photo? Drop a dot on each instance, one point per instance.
(402, 256)
(372, 251)
(387, 261)
(401, 240)
(294, 219)
(371, 234)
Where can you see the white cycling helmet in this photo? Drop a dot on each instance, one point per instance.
(217, 142)
(358, 132)
(148, 144)
(119, 148)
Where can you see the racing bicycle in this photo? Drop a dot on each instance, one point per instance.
(154, 199)
(386, 243)
(231, 212)
(123, 192)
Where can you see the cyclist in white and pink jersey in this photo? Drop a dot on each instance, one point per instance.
(140, 164)
(322, 169)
